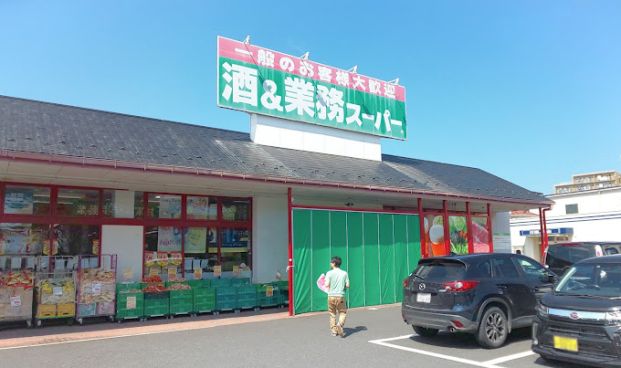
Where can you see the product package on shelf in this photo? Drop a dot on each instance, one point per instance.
(96, 286)
(16, 295)
(56, 295)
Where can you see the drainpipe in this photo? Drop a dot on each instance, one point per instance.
(290, 248)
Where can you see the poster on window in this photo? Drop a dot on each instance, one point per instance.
(458, 232)
(198, 208)
(196, 240)
(434, 234)
(19, 201)
(480, 234)
(168, 239)
(15, 238)
(170, 207)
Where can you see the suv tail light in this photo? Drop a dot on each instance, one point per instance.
(406, 283)
(460, 286)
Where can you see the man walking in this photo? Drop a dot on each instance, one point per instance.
(337, 281)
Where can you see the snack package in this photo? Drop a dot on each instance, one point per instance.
(321, 283)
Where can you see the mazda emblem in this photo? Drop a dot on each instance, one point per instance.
(574, 315)
(421, 286)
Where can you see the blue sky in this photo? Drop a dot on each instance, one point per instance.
(528, 90)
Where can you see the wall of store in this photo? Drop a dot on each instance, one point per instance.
(126, 243)
(592, 202)
(269, 238)
(501, 228)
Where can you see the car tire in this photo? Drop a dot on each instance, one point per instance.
(493, 329)
(425, 332)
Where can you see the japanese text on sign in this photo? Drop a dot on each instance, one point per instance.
(266, 82)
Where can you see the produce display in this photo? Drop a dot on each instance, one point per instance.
(16, 293)
(55, 296)
(96, 293)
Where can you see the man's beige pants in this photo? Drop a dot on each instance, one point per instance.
(336, 304)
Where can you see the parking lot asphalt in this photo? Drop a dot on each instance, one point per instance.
(376, 338)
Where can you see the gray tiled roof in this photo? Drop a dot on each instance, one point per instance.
(46, 128)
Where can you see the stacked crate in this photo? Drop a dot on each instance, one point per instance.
(181, 300)
(269, 295)
(204, 296)
(246, 296)
(129, 301)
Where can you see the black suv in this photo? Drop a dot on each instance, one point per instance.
(560, 257)
(484, 294)
(580, 321)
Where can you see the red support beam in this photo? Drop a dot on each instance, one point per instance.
(424, 252)
(469, 229)
(541, 232)
(290, 247)
(544, 237)
(490, 232)
(445, 220)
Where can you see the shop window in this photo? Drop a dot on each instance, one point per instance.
(72, 240)
(235, 210)
(163, 255)
(164, 206)
(458, 232)
(434, 235)
(480, 234)
(200, 250)
(123, 204)
(25, 200)
(571, 209)
(23, 239)
(235, 250)
(78, 202)
(201, 208)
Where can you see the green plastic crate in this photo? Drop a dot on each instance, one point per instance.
(247, 297)
(220, 283)
(122, 310)
(181, 307)
(204, 300)
(199, 283)
(126, 286)
(156, 304)
(240, 281)
(269, 301)
(226, 298)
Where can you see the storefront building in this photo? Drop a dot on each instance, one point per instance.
(273, 204)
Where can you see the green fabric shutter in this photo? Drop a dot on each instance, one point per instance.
(378, 250)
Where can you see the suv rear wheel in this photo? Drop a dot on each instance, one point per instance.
(493, 329)
(425, 332)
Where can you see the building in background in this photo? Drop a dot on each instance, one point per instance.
(588, 209)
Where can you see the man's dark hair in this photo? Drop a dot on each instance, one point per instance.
(337, 261)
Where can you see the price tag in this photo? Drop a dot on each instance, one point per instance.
(236, 270)
(217, 271)
(131, 302)
(57, 291)
(96, 288)
(16, 301)
(172, 273)
(198, 273)
(269, 291)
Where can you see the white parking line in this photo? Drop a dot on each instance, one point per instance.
(509, 358)
(487, 364)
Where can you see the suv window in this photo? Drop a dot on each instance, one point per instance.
(441, 271)
(481, 270)
(504, 267)
(563, 255)
(611, 249)
(532, 269)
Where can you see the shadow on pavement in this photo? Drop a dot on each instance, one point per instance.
(468, 341)
(351, 331)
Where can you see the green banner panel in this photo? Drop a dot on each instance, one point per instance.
(387, 259)
(302, 279)
(370, 225)
(355, 266)
(413, 247)
(338, 237)
(401, 252)
(320, 255)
